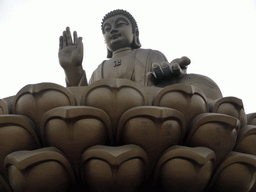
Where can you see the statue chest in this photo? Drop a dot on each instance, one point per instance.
(119, 67)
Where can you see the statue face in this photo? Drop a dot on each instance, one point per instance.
(118, 32)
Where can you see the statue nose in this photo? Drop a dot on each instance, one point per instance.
(114, 30)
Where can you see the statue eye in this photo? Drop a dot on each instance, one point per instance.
(107, 29)
(121, 24)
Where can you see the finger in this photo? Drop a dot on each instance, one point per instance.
(175, 61)
(184, 62)
(176, 69)
(75, 37)
(64, 39)
(61, 43)
(69, 38)
(166, 69)
(157, 70)
(79, 44)
(152, 77)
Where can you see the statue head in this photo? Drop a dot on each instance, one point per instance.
(135, 44)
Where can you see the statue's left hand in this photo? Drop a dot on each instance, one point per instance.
(167, 70)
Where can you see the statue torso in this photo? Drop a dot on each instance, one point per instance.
(129, 64)
(121, 65)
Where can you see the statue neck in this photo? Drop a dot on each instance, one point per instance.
(121, 51)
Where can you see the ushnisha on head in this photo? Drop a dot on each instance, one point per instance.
(135, 44)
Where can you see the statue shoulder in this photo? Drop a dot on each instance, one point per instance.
(153, 56)
(150, 51)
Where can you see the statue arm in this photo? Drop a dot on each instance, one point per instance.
(81, 82)
(71, 57)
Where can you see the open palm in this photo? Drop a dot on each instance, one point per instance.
(70, 52)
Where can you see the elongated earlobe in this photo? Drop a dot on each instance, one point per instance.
(136, 42)
(109, 53)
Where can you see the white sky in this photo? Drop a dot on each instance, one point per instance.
(219, 36)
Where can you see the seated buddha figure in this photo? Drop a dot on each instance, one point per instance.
(125, 57)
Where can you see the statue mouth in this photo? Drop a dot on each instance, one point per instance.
(115, 36)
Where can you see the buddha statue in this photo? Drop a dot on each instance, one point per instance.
(141, 123)
(125, 57)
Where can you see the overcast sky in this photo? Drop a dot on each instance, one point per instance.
(219, 36)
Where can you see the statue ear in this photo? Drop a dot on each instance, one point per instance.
(136, 41)
(109, 54)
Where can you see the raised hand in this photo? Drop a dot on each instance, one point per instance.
(70, 52)
(71, 57)
(166, 70)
